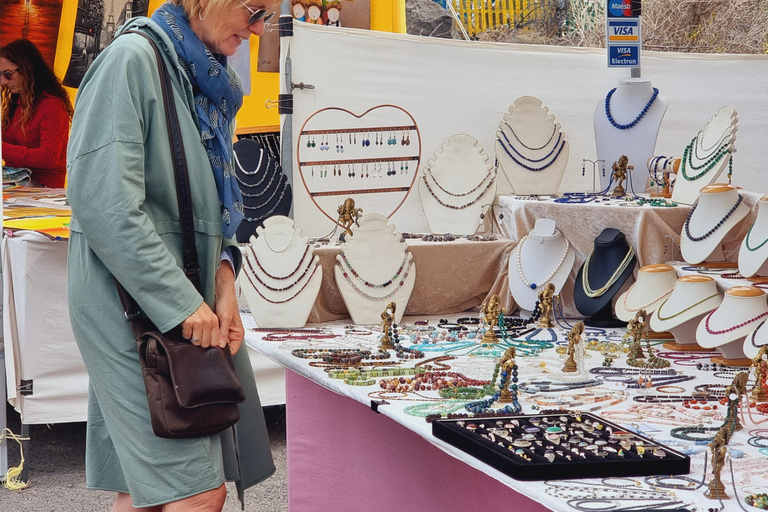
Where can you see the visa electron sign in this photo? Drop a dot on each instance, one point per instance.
(622, 33)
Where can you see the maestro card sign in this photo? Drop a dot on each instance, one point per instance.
(623, 8)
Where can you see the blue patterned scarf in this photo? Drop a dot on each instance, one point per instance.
(218, 97)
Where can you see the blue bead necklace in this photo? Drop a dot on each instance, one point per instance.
(528, 167)
(717, 226)
(535, 161)
(554, 131)
(639, 116)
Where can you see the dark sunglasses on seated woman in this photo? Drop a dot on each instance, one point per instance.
(258, 15)
(9, 74)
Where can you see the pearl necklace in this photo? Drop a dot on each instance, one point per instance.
(588, 291)
(731, 329)
(657, 299)
(290, 243)
(702, 301)
(634, 121)
(717, 226)
(533, 286)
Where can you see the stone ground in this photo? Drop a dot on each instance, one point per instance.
(56, 462)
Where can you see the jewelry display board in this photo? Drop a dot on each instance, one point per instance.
(371, 157)
(265, 187)
(282, 274)
(627, 122)
(449, 203)
(719, 210)
(558, 446)
(531, 149)
(707, 155)
(374, 268)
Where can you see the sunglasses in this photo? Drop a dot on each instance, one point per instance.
(258, 15)
(8, 74)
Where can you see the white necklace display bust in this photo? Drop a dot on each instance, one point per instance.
(754, 248)
(654, 284)
(543, 256)
(282, 274)
(718, 210)
(629, 100)
(693, 297)
(742, 309)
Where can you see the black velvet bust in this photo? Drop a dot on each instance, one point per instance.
(610, 249)
(265, 187)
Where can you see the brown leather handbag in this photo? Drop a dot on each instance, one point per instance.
(192, 391)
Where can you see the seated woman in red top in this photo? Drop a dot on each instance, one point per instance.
(36, 113)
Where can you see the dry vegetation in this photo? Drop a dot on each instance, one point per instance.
(703, 26)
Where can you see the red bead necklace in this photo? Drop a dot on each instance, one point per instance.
(730, 329)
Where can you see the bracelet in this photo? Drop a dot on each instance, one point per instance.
(668, 388)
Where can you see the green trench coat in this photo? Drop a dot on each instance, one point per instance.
(125, 223)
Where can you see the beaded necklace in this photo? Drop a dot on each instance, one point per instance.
(290, 243)
(746, 241)
(635, 120)
(461, 207)
(717, 226)
(283, 180)
(429, 172)
(533, 286)
(289, 298)
(687, 161)
(277, 278)
(588, 291)
(370, 297)
(624, 302)
(730, 329)
(263, 190)
(271, 288)
(242, 169)
(752, 338)
(528, 167)
(532, 160)
(702, 301)
(700, 137)
(554, 131)
(372, 285)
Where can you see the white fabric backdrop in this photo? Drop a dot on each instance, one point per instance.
(452, 87)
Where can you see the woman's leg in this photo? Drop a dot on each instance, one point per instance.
(123, 503)
(208, 501)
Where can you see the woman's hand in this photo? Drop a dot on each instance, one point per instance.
(202, 327)
(231, 330)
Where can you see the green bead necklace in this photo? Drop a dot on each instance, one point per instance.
(708, 164)
(746, 241)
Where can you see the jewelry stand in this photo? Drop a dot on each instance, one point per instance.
(282, 274)
(601, 276)
(595, 177)
(753, 253)
(664, 167)
(654, 284)
(706, 156)
(543, 256)
(720, 208)
(455, 185)
(531, 149)
(756, 340)
(264, 186)
(374, 268)
(637, 111)
(726, 327)
(693, 297)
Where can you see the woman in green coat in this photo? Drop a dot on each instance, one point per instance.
(125, 226)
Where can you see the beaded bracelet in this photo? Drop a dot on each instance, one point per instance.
(757, 500)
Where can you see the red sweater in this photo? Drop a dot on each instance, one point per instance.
(44, 149)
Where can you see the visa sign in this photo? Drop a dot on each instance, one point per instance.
(624, 31)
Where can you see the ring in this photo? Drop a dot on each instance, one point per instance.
(193, 339)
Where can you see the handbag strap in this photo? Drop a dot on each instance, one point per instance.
(183, 191)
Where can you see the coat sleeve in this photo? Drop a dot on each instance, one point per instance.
(54, 127)
(117, 106)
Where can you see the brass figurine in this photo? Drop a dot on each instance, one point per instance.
(507, 364)
(574, 342)
(620, 170)
(635, 329)
(760, 364)
(491, 309)
(348, 215)
(546, 300)
(387, 320)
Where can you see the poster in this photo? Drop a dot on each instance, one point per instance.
(36, 20)
(95, 24)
